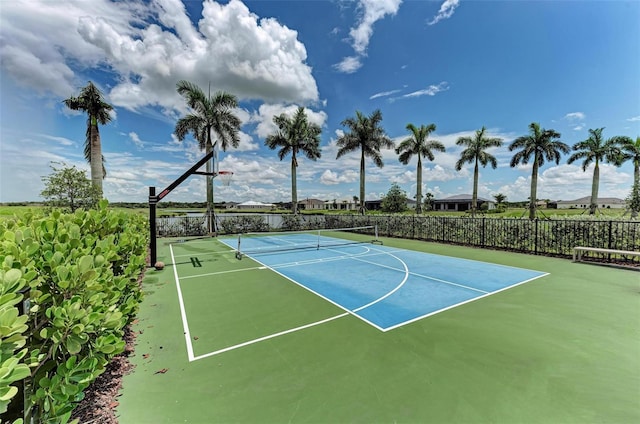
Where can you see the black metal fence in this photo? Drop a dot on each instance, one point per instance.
(554, 237)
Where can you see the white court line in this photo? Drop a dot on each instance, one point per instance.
(253, 268)
(461, 303)
(271, 336)
(421, 275)
(183, 313)
(205, 253)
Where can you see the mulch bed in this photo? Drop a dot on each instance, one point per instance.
(100, 402)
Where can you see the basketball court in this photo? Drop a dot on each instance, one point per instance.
(401, 331)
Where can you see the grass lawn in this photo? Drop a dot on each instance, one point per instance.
(564, 348)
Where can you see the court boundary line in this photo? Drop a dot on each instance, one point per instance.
(183, 312)
(270, 336)
(350, 312)
(464, 302)
(357, 257)
(185, 323)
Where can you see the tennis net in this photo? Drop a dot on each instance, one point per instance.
(257, 243)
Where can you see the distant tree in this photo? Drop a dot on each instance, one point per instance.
(91, 101)
(539, 145)
(208, 114)
(633, 200)
(418, 145)
(475, 152)
(295, 135)
(395, 200)
(69, 187)
(428, 201)
(630, 150)
(596, 149)
(365, 133)
(500, 199)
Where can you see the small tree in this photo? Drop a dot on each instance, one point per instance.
(395, 200)
(500, 199)
(428, 201)
(633, 201)
(69, 187)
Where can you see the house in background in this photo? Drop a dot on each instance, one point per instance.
(311, 204)
(341, 205)
(460, 203)
(254, 205)
(584, 202)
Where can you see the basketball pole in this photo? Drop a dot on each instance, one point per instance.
(154, 199)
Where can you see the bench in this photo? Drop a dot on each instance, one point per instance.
(579, 250)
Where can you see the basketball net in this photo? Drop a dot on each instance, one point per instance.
(225, 177)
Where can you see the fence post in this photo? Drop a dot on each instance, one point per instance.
(535, 238)
(413, 227)
(610, 234)
(483, 230)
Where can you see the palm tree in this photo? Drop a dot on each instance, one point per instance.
(209, 114)
(366, 134)
(91, 101)
(540, 144)
(295, 135)
(596, 149)
(630, 150)
(475, 152)
(418, 145)
(500, 198)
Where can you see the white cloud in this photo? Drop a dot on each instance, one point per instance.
(136, 140)
(634, 119)
(370, 11)
(432, 90)
(384, 94)
(266, 112)
(330, 177)
(231, 48)
(446, 11)
(349, 64)
(575, 116)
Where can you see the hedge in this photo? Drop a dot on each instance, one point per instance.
(80, 274)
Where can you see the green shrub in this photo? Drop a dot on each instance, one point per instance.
(243, 224)
(82, 272)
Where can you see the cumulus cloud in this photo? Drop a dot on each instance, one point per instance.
(265, 113)
(370, 11)
(330, 177)
(446, 11)
(151, 46)
(348, 65)
(634, 119)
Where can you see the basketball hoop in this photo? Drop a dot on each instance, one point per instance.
(225, 177)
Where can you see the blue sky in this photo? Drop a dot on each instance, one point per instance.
(461, 65)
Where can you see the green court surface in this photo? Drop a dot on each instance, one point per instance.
(564, 348)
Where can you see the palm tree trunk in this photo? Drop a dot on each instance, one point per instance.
(474, 197)
(419, 189)
(96, 155)
(534, 190)
(362, 208)
(636, 172)
(294, 185)
(594, 189)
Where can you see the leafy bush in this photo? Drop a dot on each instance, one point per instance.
(243, 224)
(81, 270)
